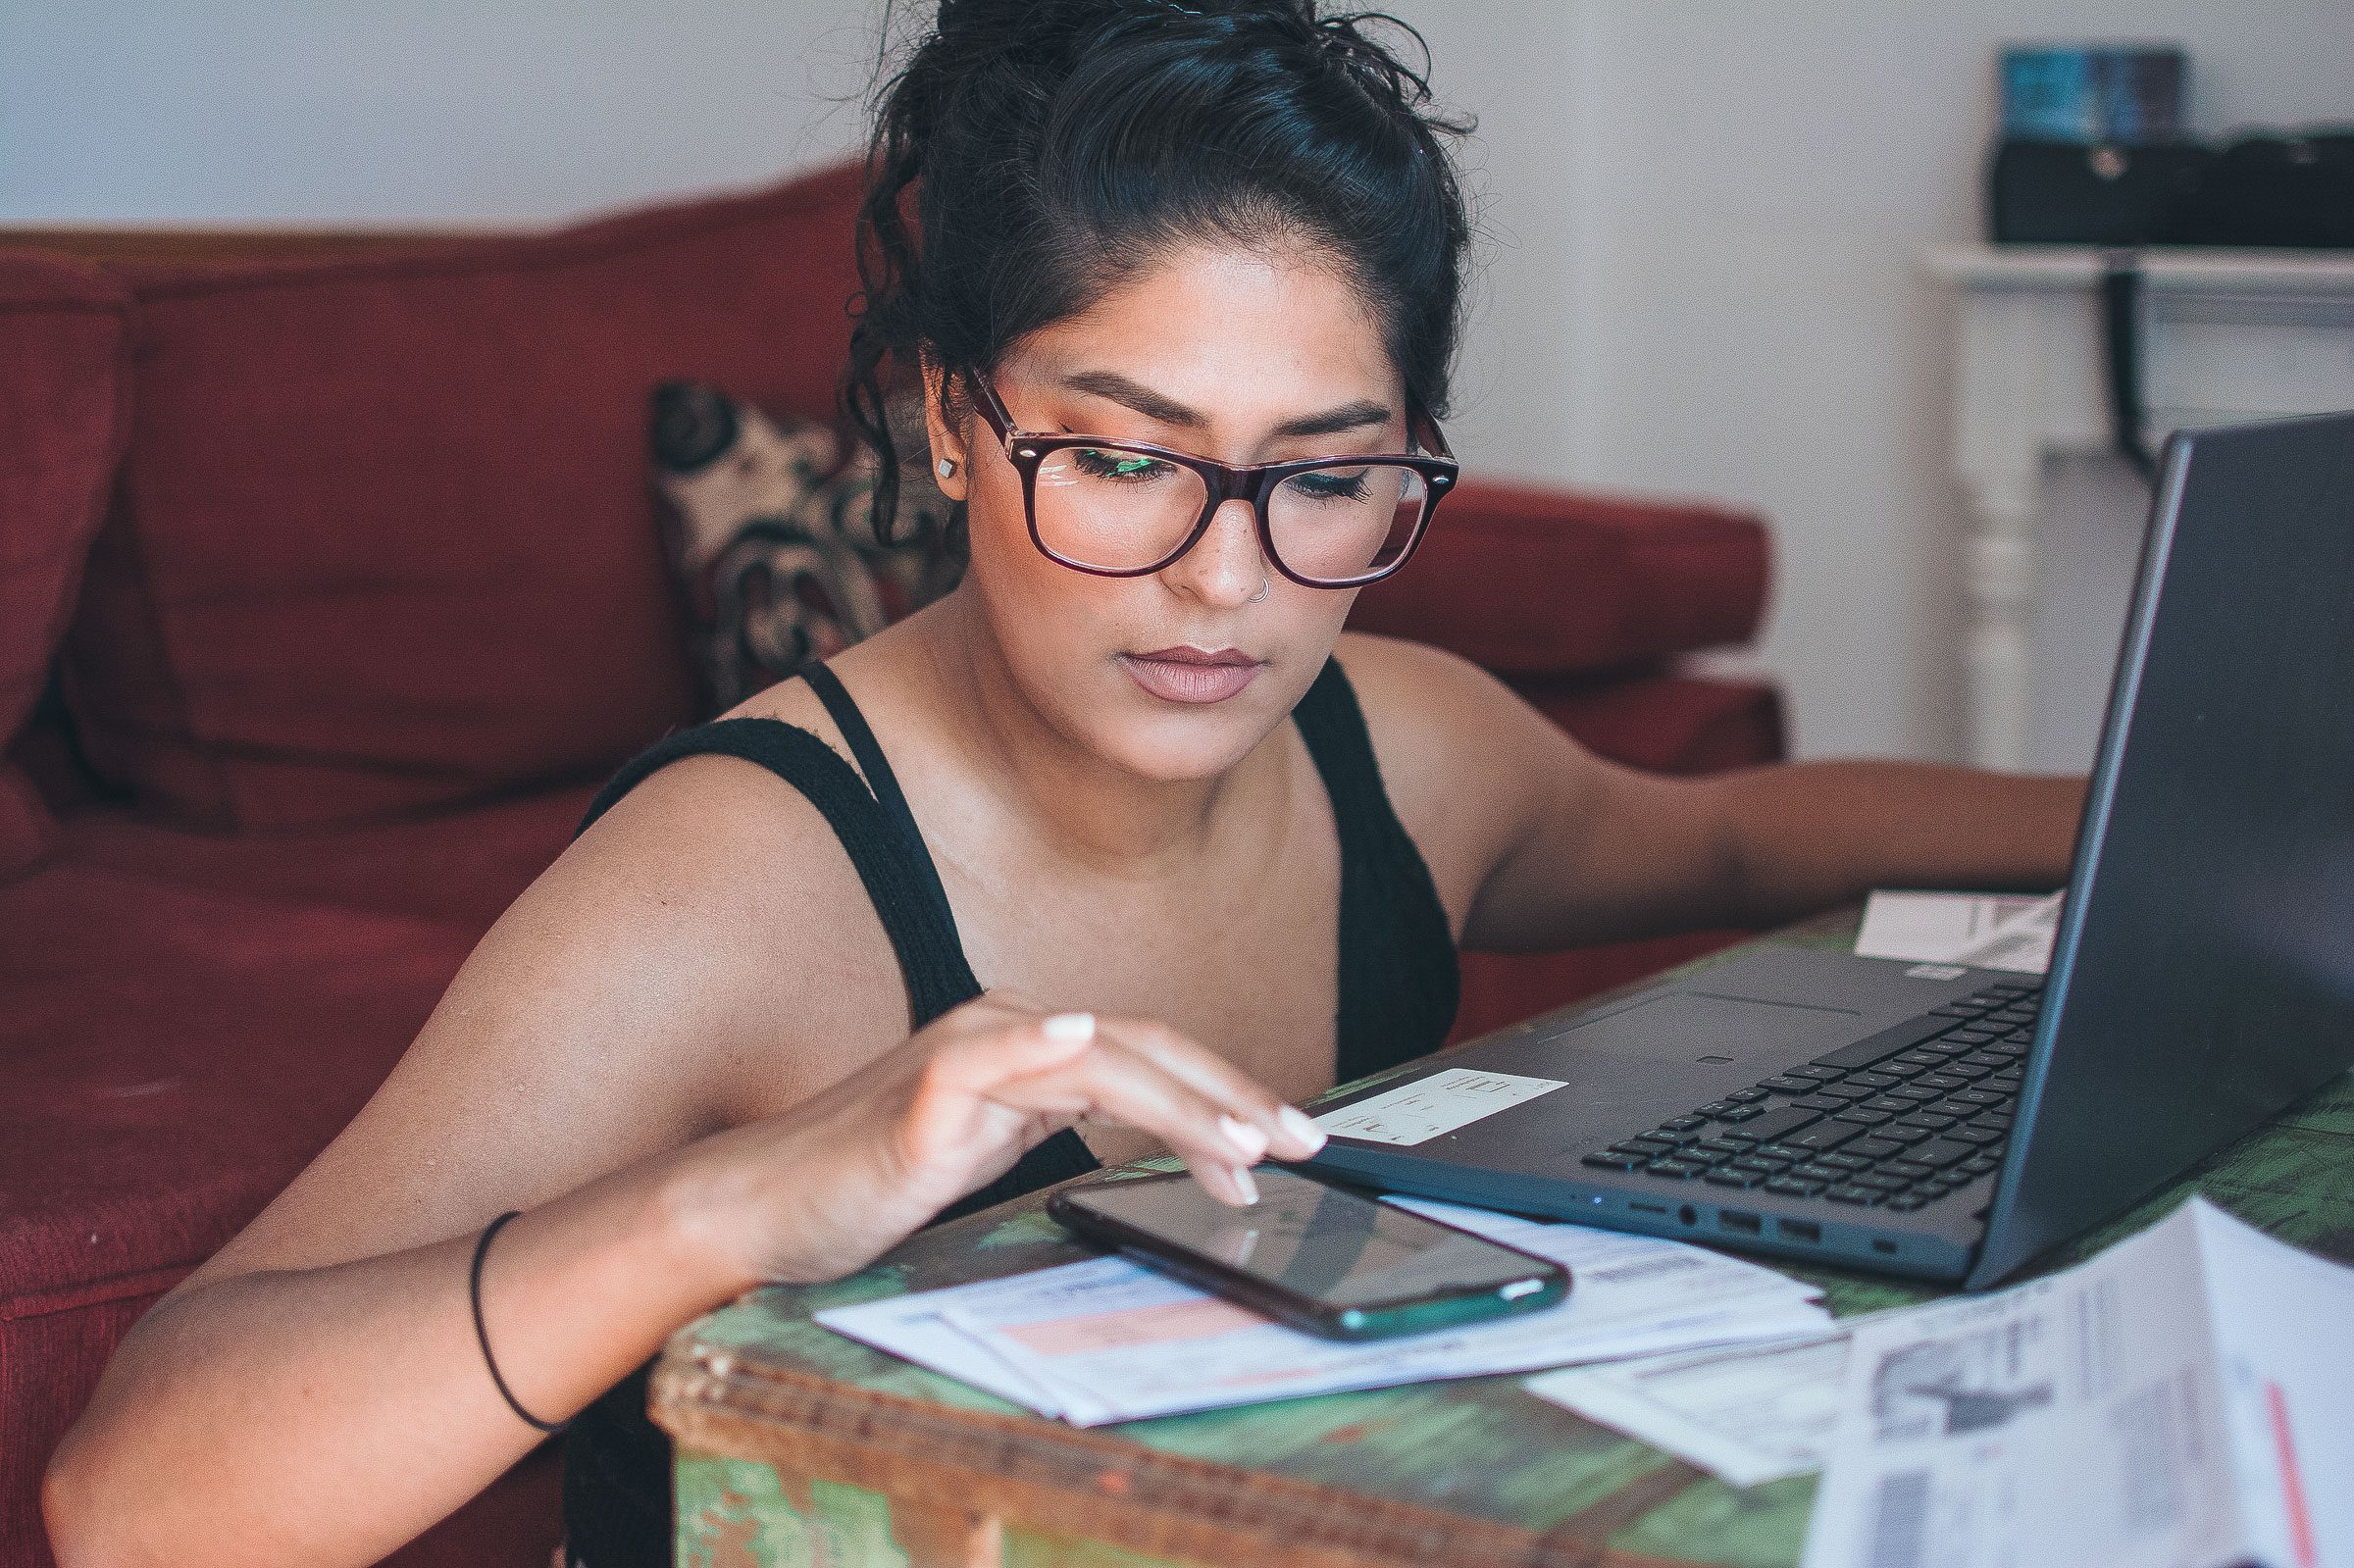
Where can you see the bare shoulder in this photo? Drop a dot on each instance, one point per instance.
(704, 954)
(1468, 764)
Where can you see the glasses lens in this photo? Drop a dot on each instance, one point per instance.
(1334, 524)
(1115, 509)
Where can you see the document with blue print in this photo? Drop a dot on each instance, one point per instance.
(2184, 1399)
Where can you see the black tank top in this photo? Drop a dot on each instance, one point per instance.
(1399, 986)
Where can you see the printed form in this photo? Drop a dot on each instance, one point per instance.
(1109, 1340)
(2185, 1400)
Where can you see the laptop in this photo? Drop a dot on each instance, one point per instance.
(1952, 1123)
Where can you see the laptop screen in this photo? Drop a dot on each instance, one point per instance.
(2204, 971)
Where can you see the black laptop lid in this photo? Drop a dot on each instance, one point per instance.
(2204, 971)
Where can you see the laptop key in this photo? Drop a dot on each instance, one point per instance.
(1845, 1160)
(1678, 1170)
(1820, 1171)
(1911, 1094)
(1682, 1124)
(1851, 1194)
(1822, 1102)
(1858, 1116)
(1979, 1164)
(1762, 1166)
(1941, 1082)
(1646, 1144)
(1927, 1121)
(1881, 1180)
(1966, 1133)
(1893, 1105)
(1816, 1070)
(1728, 1176)
(1980, 1097)
(1874, 1079)
(1823, 1136)
(1784, 1083)
(1919, 1058)
(1910, 1170)
(1795, 1187)
(1715, 1108)
(1876, 1147)
(1737, 1113)
(1774, 1124)
(1778, 1151)
(1606, 1160)
(1745, 1096)
(1941, 1153)
(1718, 1146)
(1877, 1048)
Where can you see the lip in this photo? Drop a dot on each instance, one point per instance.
(1189, 674)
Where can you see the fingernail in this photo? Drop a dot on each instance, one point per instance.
(1242, 1178)
(1296, 1122)
(1242, 1135)
(1071, 1027)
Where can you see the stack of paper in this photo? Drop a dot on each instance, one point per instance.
(1991, 931)
(1110, 1341)
(1746, 1412)
(2185, 1398)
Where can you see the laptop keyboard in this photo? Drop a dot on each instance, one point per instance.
(1895, 1120)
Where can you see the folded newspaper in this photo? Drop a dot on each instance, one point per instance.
(1109, 1340)
(2186, 1399)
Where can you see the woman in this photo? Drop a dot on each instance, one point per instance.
(1207, 850)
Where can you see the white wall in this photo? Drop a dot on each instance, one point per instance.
(1754, 182)
(1701, 216)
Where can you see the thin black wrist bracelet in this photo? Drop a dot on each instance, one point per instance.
(473, 1293)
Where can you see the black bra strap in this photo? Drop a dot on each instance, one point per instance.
(880, 778)
(903, 887)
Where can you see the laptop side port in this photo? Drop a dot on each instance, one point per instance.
(1647, 1208)
(1799, 1230)
(1739, 1220)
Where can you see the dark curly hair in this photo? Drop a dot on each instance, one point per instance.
(1033, 155)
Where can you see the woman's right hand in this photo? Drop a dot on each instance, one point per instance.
(821, 1189)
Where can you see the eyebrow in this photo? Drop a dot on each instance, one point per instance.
(1154, 406)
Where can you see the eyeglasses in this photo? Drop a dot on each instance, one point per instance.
(1125, 509)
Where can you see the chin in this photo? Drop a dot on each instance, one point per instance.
(1172, 742)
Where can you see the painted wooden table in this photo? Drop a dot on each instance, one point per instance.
(800, 1448)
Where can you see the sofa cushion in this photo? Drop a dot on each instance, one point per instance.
(1540, 582)
(463, 867)
(384, 541)
(770, 539)
(173, 1059)
(63, 416)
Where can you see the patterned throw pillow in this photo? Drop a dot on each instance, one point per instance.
(770, 541)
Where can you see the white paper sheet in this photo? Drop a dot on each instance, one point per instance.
(1992, 930)
(1110, 1341)
(1417, 1112)
(2145, 1407)
(1745, 1413)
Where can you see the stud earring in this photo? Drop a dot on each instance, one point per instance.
(947, 467)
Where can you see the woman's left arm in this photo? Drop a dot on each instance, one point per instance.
(1568, 848)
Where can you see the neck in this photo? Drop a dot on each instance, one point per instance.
(1094, 814)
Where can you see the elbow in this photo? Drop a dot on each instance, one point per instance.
(84, 1512)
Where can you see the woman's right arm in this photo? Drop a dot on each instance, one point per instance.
(315, 1393)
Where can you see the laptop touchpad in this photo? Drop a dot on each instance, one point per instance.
(1684, 1027)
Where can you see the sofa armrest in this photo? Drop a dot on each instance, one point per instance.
(1532, 581)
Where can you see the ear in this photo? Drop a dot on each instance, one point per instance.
(948, 442)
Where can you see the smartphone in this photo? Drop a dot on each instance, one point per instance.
(1314, 1256)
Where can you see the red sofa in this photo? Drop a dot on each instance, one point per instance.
(329, 588)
